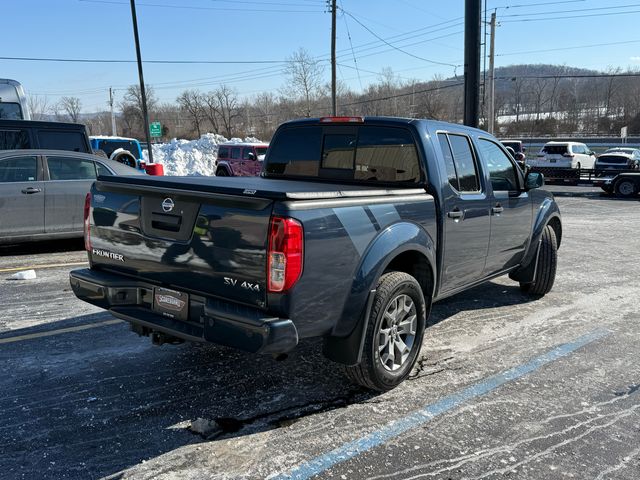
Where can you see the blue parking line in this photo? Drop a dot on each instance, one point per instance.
(356, 447)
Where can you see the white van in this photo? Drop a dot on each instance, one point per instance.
(564, 155)
(13, 102)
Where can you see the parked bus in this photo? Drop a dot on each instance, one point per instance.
(13, 102)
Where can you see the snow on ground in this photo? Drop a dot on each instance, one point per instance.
(192, 157)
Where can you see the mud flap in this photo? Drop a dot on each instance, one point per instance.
(348, 350)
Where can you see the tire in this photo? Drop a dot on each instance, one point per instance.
(378, 369)
(126, 159)
(546, 267)
(222, 173)
(625, 188)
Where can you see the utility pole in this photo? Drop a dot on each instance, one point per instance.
(472, 18)
(492, 81)
(113, 115)
(145, 115)
(334, 100)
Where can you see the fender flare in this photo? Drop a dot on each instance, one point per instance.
(344, 344)
(548, 213)
(226, 166)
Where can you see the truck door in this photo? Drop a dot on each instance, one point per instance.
(21, 196)
(510, 209)
(466, 214)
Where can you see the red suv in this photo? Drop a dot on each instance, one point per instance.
(240, 159)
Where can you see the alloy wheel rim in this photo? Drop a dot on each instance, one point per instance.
(626, 188)
(397, 332)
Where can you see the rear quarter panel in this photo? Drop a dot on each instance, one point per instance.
(347, 245)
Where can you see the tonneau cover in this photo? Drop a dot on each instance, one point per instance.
(258, 187)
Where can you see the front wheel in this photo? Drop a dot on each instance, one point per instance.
(546, 265)
(393, 337)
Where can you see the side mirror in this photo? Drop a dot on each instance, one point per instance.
(251, 156)
(533, 180)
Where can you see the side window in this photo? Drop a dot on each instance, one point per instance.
(386, 154)
(245, 153)
(102, 170)
(223, 152)
(66, 168)
(338, 150)
(501, 171)
(14, 139)
(235, 153)
(19, 169)
(62, 140)
(448, 161)
(465, 164)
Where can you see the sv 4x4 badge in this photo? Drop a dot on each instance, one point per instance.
(233, 282)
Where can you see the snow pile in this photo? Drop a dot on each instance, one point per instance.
(192, 157)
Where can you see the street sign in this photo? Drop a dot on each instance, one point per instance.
(155, 129)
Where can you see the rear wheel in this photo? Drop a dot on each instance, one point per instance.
(546, 265)
(625, 188)
(394, 333)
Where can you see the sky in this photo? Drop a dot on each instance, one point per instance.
(416, 39)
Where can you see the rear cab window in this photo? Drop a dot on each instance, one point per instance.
(364, 153)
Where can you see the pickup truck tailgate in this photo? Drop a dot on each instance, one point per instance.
(182, 238)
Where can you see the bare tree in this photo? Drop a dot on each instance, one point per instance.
(192, 102)
(211, 110)
(131, 106)
(304, 79)
(39, 106)
(228, 108)
(71, 106)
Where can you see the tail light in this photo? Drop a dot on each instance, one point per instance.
(284, 257)
(87, 226)
(341, 119)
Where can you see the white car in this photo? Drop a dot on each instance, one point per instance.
(565, 155)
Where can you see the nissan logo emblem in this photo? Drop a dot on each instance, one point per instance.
(167, 205)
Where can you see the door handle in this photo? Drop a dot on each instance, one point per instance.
(30, 190)
(456, 214)
(498, 209)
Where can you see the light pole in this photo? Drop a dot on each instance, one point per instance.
(145, 115)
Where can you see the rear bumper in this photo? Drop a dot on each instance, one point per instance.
(210, 320)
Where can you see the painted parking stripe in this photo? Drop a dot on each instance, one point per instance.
(46, 265)
(59, 331)
(378, 437)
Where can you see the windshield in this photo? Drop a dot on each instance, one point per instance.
(261, 150)
(10, 111)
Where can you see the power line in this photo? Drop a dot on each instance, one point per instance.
(572, 11)
(389, 97)
(395, 47)
(355, 62)
(192, 7)
(174, 62)
(567, 48)
(570, 17)
(539, 4)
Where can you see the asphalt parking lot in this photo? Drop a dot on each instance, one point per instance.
(506, 386)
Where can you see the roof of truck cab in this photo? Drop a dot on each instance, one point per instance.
(40, 124)
(433, 124)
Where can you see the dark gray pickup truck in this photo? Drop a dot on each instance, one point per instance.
(354, 228)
